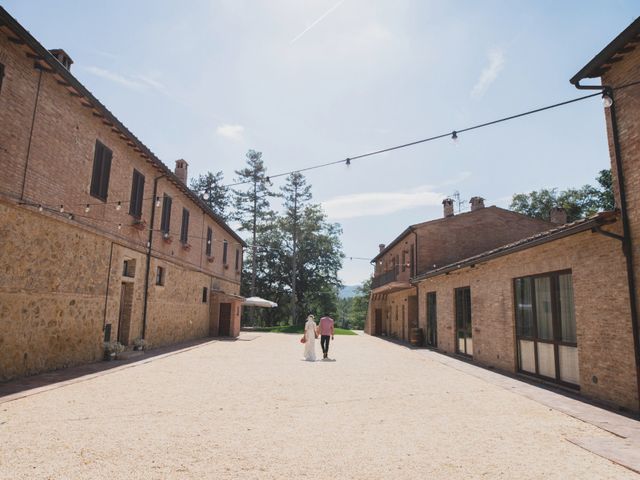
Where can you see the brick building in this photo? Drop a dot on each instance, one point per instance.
(618, 66)
(100, 240)
(553, 306)
(561, 305)
(394, 306)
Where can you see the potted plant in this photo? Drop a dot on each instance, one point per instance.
(210, 258)
(140, 224)
(140, 344)
(112, 349)
(186, 246)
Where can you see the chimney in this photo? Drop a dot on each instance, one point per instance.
(381, 246)
(63, 57)
(448, 207)
(181, 170)
(476, 203)
(558, 215)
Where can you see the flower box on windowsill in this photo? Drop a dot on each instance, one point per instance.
(139, 225)
(210, 258)
(167, 238)
(186, 246)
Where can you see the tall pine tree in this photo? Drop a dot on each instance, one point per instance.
(252, 207)
(209, 187)
(295, 193)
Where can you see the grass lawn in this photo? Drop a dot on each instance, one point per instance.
(300, 328)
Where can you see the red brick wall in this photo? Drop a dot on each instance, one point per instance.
(451, 239)
(601, 300)
(67, 328)
(61, 161)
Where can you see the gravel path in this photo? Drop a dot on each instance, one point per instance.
(255, 409)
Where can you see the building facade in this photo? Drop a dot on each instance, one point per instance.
(554, 306)
(100, 240)
(394, 307)
(618, 67)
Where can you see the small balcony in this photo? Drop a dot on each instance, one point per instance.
(383, 279)
(390, 281)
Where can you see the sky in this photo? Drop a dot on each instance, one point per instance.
(315, 81)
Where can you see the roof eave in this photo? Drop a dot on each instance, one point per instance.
(602, 219)
(594, 68)
(7, 20)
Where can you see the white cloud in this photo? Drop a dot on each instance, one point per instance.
(489, 73)
(137, 82)
(380, 203)
(232, 132)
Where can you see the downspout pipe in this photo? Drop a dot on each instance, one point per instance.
(148, 260)
(626, 232)
(414, 272)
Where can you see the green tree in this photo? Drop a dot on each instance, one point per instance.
(605, 180)
(360, 305)
(577, 202)
(252, 206)
(319, 260)
(210, 188)
(295, 193)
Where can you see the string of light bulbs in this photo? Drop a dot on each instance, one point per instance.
(453, 134)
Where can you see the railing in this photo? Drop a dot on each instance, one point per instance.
(383, 279)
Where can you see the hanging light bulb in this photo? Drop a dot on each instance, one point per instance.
(87, 208)
(454, 137)
(157, 201)
(205, 196)
(348, 161)
(40, 208)
(119, 226)
(119, 206)
(607, 101)
(70, 216)
(61, 208)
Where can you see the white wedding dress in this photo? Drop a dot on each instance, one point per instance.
(310, 345)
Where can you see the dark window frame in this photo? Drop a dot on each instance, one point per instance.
(184, 227)
(137, 194)
(1, 75)
(101, 172)
(237, 259)
(160, 276)
(129, 268)
(462, 300)
(165, 223)
(556, 339)
(225, 252)
(431, 337)
(209, 241)
(205, 295)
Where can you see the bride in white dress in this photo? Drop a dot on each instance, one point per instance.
(310, 330)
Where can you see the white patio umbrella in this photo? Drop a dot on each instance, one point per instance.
(259, 302)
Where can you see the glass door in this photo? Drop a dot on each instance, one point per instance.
(546, 327)
(464, 338)
(432, 320)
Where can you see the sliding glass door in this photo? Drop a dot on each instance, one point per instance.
(546, 327)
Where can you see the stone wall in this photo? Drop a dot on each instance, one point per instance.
(604, 337)
(61, 273)
(53, 281)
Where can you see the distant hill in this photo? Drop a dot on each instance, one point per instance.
(348, 291)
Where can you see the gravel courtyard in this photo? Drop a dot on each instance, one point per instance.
(253, 408)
